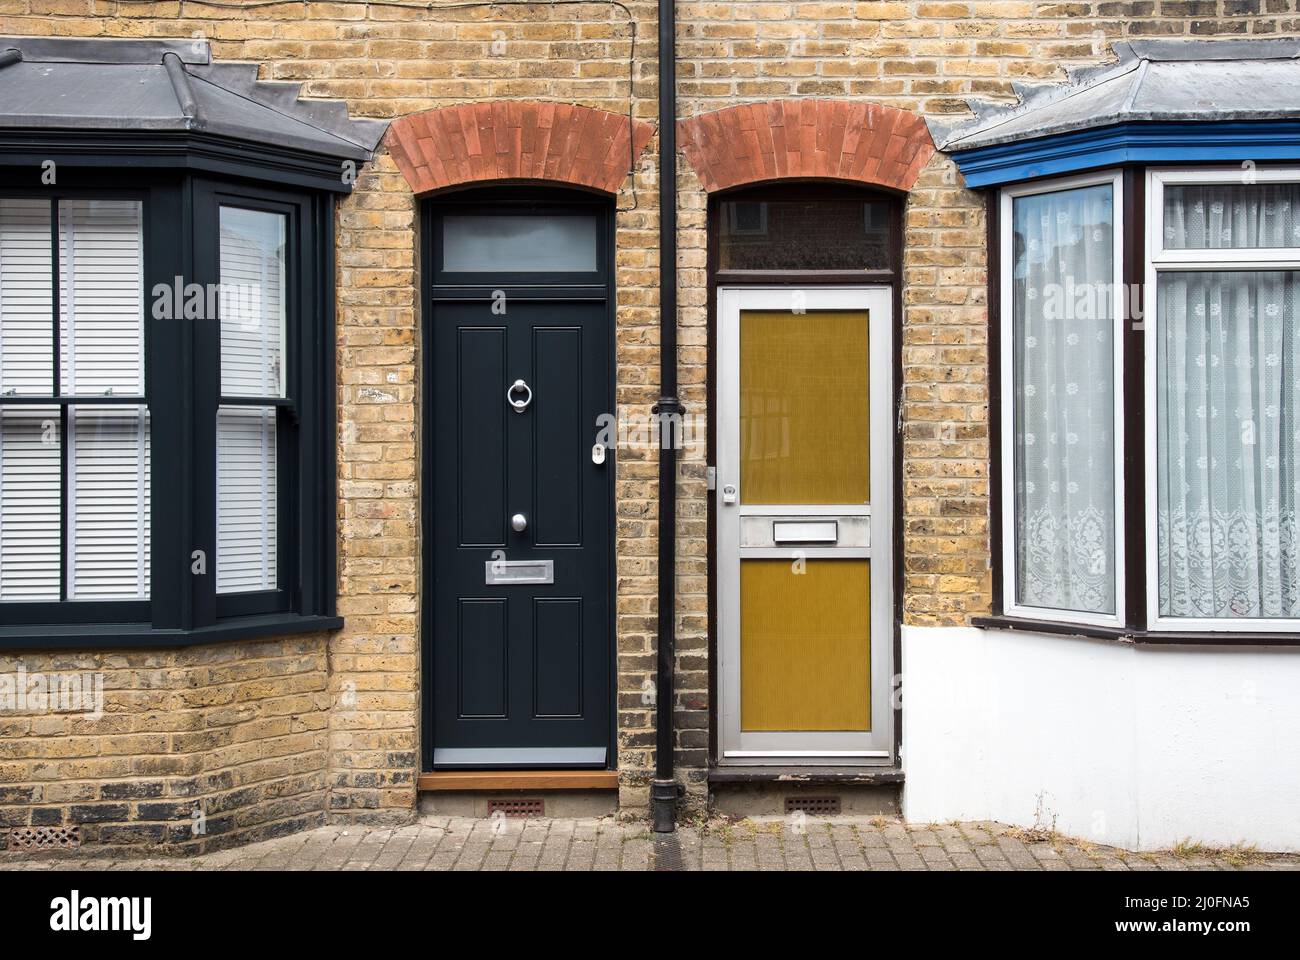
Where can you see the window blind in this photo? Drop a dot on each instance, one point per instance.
(101, 298)
(108, 493)
(252, 254)
(29, 436)
(252, 315)
(101, 351)
(103, 506)
(29, 503)
(246, 499)
(26, 298)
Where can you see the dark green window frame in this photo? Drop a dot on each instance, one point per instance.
(180, 217)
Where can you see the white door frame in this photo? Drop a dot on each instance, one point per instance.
(873, 537)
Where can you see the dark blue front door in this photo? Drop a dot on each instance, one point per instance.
(519, 643)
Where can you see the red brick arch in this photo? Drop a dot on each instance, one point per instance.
(825, 139)
(516, 140)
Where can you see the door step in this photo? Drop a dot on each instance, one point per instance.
(783, 798)
(530, 780)
(519, 793)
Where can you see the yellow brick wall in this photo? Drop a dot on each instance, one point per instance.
(185, 749)
(390, 59)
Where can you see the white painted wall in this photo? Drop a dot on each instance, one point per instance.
(1136, 746)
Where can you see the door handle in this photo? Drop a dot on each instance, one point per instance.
(729, 494)
(519, 406)
(519, 523)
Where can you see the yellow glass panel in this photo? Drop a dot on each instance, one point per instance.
(805, 645)
(804, 411)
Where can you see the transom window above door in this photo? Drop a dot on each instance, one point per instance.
(809, 230)
(1186, 366)
(530, 242)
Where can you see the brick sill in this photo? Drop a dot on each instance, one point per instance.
(1140, 637)
(101, 636)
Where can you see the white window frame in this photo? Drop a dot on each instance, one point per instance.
(1007, 414)
(1159, 259)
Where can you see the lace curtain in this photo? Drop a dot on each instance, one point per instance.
(1064, 395)
(1228, 411)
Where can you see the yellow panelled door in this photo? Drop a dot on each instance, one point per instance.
(804, 443)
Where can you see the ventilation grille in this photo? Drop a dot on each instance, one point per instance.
(522, 807)
(44, 838)
(813, 806)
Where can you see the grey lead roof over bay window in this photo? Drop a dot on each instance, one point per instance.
(167, 85)
(1154, 80)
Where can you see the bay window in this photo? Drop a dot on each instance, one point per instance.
(165, 441)
(167, 380)
(1178, 406)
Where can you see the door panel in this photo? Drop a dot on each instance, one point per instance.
(804, 525)
(805, 645)
(481, 434)
(558, 649)
(804, 408)
(520, 670)
(560, 436)
(482, 658)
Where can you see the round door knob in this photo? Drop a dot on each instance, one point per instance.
(519, 522)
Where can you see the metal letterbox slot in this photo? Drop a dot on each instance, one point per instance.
(519, 571)
(805, 531)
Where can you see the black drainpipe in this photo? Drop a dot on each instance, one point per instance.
(663, 788)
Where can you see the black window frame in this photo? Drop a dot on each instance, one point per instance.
(210, 199)
(63, 610)
(180, 221)
(1131, 396)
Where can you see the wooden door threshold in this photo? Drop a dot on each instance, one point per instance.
(443, 780)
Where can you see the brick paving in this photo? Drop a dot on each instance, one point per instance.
(841, 843)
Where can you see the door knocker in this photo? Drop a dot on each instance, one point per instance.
(519, 406)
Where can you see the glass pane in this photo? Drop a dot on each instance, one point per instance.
(252, 302)
(1228, 444)
(519, 243)
(26, 299)
(1063, 397)
(30, 453)
(108, 497)
(247, 505)
(804, 408)
(788, 235)
(1232, 216)
(101, 297)
(805, 645)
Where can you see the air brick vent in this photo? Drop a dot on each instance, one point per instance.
(518, 807)
(813, 806)
(44, 838)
